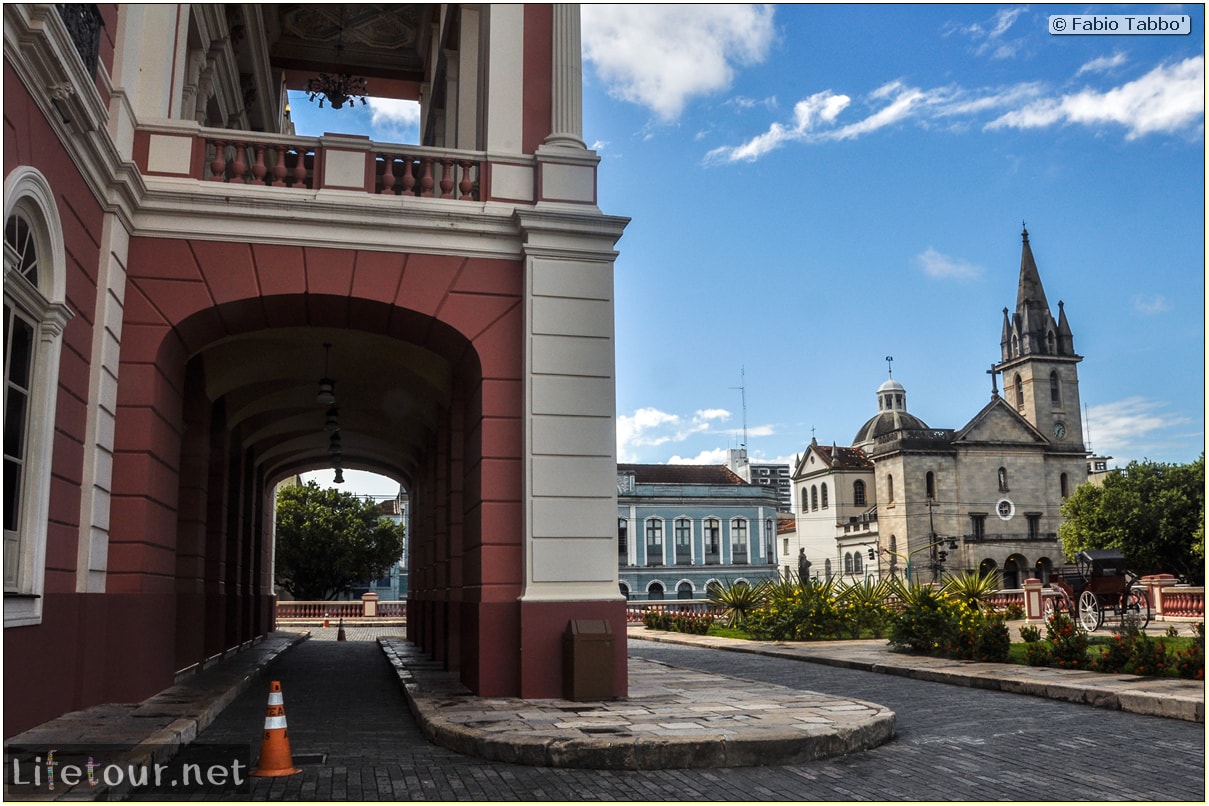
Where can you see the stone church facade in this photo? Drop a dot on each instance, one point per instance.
(986, 496)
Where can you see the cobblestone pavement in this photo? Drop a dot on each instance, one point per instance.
(354, 739)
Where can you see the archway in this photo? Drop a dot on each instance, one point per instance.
(1014, 568)
(220, 366)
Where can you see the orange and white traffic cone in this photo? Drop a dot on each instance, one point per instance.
(275, 758)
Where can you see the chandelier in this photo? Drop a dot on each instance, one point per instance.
(337, 90)
(340, 88)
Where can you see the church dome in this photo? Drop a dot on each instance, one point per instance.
(891, 414)
(885, 422)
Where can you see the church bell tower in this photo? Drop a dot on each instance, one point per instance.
(1039, 364)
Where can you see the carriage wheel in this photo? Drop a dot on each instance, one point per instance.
(1137, 609)
(1091, 616)
(1055, 604)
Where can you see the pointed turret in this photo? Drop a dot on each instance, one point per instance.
(1066, 340)
(1031, 330)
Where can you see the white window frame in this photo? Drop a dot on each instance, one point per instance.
(26, 191)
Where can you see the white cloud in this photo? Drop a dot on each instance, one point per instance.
(650, 427)
(394, 120)
(943, 267)
(991, 37)
(1125, 429)
(1169, 98)
(1149, 305)
(1103, 64)
(660, 56)
(716, 456)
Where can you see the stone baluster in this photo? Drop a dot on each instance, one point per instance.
(259, 169)
(218, 166)
(426, 181)
(239, 168)
(466, 186)
(409, 180)
(446, 178)
(279, 172)
(300, 168)
(388, 174)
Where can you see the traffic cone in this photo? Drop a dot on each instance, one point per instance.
(275, 758)
(340, 632)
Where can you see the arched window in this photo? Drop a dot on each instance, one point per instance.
(856, 563)
(930, 485)
(684, 590)
(814, 497)
(1064, 491)
(823, 495)
(847, 563)
(654, 592)
(712, 534)
(34, 319)
(1055, 390)
(770, 536)
(738, 540)
(624, 588)
(1018, 384)
(889, 488)
(1003, 484)
(805, 500)
(858, 493)
(684, 541)
(654, 541)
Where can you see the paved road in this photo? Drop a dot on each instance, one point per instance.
(343, 701)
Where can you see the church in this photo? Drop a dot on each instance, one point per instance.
(907, 499)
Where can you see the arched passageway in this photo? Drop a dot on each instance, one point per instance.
(426, 358)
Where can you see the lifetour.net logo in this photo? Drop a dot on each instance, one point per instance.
(83, 770)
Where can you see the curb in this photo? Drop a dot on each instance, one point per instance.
(754, 745)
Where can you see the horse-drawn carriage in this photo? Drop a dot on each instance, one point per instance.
(1100, 588)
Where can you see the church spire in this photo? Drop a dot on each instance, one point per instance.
(1032, 329)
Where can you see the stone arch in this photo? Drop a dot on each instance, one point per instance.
(459, 322)
(1015, 569)
(684, 589)
(987, 566)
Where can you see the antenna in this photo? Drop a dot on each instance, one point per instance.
(1086, 429)
(743, 393)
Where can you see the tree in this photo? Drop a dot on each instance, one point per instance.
(1153, 513)
(328, 541)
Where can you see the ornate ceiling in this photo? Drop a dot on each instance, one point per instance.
(375, 40)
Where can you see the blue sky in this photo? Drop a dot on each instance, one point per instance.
(815, 187)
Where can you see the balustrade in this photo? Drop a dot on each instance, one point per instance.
(403, 174)
(337, 610)
(254, 159)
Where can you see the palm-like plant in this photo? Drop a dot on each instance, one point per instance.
(971, 588)
(867, 604)
(737, 599)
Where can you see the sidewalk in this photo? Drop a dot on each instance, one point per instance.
(1157, 696)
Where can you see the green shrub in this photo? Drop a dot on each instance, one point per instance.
(1190, 662)
(1149, 657)
(1030, 634)
(1067, 645)
(927, 624)
(1013, 612)
(797, 611)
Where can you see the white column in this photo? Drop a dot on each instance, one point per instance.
(566, 90)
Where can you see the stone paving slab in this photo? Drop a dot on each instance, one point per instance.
(672, 719)
(1156, 696)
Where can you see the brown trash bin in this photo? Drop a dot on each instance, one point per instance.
(588, 660)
